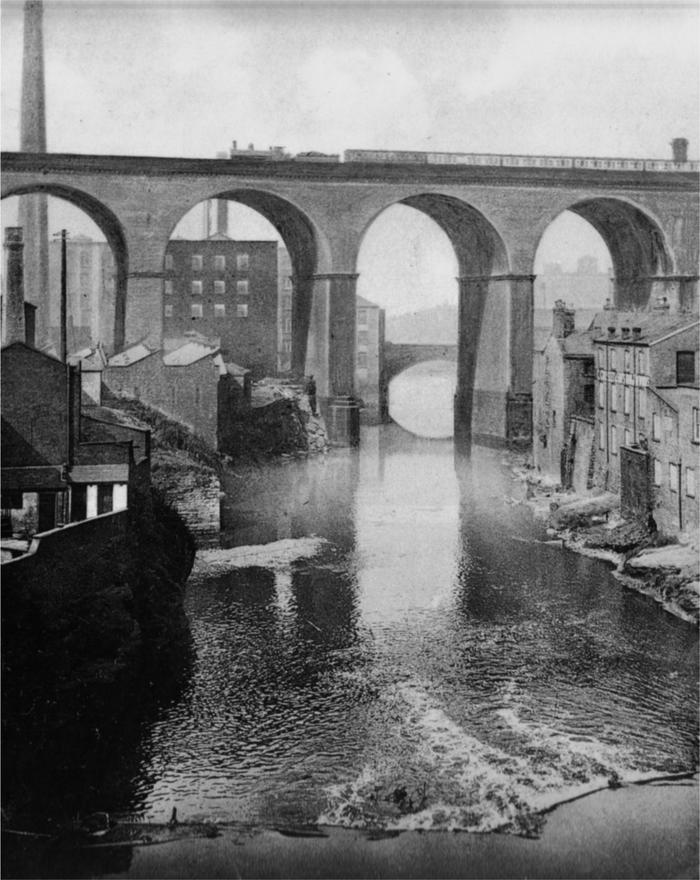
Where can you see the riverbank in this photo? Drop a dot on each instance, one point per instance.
(668, 571)
(639, 831)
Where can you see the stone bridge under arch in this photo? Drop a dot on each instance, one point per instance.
(399, 356)
(494, 217)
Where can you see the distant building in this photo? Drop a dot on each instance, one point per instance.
(227, 291)
(563, 387)
(369, 358)
(587, 287)
(284, 310)
(646, 413)
(90, 287)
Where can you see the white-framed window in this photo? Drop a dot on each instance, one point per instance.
(196, 310)
(219, 288)
(361, 360)
(169, 262)
(197, 262)
(655, 426)
(641, 361)
(168, 310)
(196, 288)
(219, 263)
(601, 435)
(286, 346)
(288, 283)
(601, 394)
(287, 303)
(168, 288)
(242, 310)
(628, 360)
(362, 317)
(288, 324)
(242, 286)
(642, 403)
(673, 477)
(614, 390)
(613, 440)
(362, 337)
(219, 310)
(627, 399)
(613, 359)
(696, 424)
(657, 472)
(690, 482)
(601, 357)
(242, 262)
(628, 437)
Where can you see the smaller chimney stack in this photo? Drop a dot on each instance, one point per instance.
(680, 149)
(14, 307)
(625, 332)
(611, 332)
(563, 322)
(636, 333)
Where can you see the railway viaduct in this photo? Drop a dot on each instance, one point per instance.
(494, 217)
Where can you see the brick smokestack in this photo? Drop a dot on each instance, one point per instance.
(680, 149)
(33, 216)
(563, 320)
(13, 330)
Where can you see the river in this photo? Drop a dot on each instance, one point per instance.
(409, 652)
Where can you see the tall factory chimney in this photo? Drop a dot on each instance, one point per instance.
(33, 214)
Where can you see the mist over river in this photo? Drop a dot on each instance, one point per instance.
(409, 652)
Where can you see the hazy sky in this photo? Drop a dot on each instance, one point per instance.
(185, 78)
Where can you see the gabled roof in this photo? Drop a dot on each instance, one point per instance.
(137, 352)
(235, 370)
(189, 353)
(578, 344)
(365, 303)
(111, 416)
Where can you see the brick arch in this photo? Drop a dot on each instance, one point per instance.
(399, 357)
(110, 226)
(635, 240)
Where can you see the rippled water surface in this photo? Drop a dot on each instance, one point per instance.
(435, 664)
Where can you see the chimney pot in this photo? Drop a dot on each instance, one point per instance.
(625, 332)
(636, 333)
(611, 332)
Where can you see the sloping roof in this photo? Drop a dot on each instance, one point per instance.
(131, 355)
(235, 370)
(578, 344)
(189, 353)
(654, 325)
(365, 303)
(114, 417)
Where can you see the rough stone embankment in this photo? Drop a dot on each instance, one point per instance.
(644, 560)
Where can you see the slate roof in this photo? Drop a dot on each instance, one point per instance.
(654, 325)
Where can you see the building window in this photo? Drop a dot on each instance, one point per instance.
(628, 360)
(588, 397)
(601, 435)
(613, 359)
(219, 263)
(168, 287)
(288, 324)
(685, 367)
(219, 310)
(196, 288)
(242, 262)
(362, 317)
(554, 418)
(169, 264)
(601, 357)
(197, 262)
(286, 346)
(287, 283)
(361, 360)
(690, 482)
(657, 472)
(673, 477)
(169, 311)
(219, 288)
(287, 303)
(641, 403)
(696, 424)
(627, 399)
(242, 287)
(641, 362)
(628, 437)
(655, 426)
(601, 394)
(197, 396)
(196, 310)
(613, 397)
(613, 440)
(363, 337)
(242, 310)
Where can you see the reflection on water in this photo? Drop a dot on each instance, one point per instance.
(435, 665)
(421, 399)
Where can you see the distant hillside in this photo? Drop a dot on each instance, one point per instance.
(438, 325)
